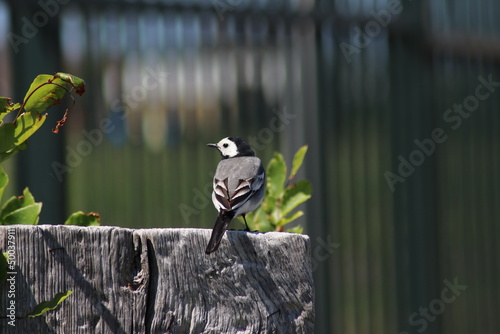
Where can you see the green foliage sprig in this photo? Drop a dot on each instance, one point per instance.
(24, 210)
(282, 196)
(45, 91)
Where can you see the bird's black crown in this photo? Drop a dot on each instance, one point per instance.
(244, 149)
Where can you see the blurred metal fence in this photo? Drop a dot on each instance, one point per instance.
(398, 101)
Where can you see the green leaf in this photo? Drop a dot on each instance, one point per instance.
(297, 161)
(7, 138)
(82, 219)
(27, 198)
(26, 125)
(3, 267)
(257, 220)
(44, 92)
(27, 215)
(77, 83)
(10, 205)
(276, 174)
(291, 218)
(49, 305)
(4, 180)
(260, 218)
(269, 202)
(265, 226)
(21, 210)
(11, 153)
(294, 195)
(297, 229)
(6, 107)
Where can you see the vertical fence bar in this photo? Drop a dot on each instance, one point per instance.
(40, 54)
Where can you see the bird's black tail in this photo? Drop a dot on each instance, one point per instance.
(220, 227)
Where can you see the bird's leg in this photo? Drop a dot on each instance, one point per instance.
(247, 229)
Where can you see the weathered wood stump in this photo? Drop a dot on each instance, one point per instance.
(158, 281)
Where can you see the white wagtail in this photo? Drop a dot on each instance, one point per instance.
(239, 185)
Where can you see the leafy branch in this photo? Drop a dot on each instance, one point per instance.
(282, 196)
(45, 91)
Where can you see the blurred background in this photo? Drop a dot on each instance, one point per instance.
(397, 100)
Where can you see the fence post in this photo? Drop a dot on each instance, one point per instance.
(158, 281)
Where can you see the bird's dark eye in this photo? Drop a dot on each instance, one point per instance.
(225, 145)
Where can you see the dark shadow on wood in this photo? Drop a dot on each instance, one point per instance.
(93, 295)
(269, 291)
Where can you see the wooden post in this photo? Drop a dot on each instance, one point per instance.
(158, 281)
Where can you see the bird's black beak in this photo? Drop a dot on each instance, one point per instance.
(212, 145)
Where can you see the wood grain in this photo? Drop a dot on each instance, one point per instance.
(160, 281)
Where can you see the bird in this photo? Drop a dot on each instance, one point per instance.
(238, 186)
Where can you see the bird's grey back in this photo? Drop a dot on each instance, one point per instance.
(242, 167)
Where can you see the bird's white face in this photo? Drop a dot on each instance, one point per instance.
(227, 148)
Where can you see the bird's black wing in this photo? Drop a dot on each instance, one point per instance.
(243, 192)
